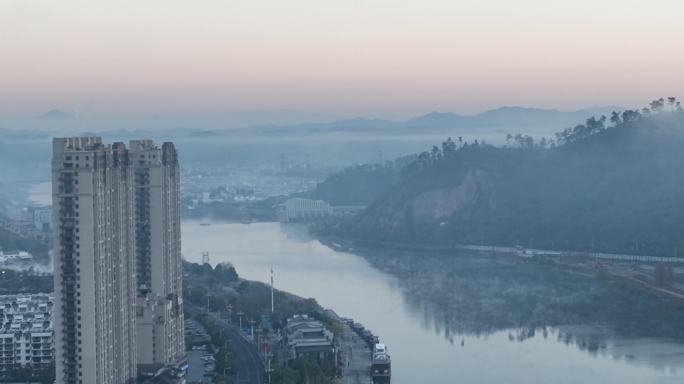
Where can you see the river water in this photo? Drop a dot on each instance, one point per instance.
(426, 343)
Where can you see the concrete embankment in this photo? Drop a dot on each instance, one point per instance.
(356, 356)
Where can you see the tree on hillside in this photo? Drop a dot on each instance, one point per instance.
(543, 142)
(448, 147)
(671, 101)
(657, 105)
(436, 154)
(615, 118)
(630, 115)
(593, 124)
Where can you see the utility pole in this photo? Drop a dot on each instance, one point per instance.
(268, 365)
(272, 303)
(251, 323)
(256, 335)
(240, 313)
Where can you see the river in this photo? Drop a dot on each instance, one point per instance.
(424, 348)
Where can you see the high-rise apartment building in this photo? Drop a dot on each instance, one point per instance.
(117, 263)
(158, 257)
(94, 262)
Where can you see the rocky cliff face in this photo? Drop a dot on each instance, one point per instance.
(410, 209)
(444, 202)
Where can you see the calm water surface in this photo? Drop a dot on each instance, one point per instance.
(422, 350)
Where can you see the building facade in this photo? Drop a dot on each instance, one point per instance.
(159, 310)
(305, 336)
(26, 335)
(94, 262)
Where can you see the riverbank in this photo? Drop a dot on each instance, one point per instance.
(660, 276)
(238, 316)
(494, 291)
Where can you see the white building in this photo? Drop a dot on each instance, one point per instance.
(298, 209)
(26, 335)
(14, 257)
(42, 218)
(94, 262)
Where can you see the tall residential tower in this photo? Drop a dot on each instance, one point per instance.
(158, 256)
(94, 262)
(118, 269)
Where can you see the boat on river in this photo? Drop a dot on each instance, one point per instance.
(381, 366)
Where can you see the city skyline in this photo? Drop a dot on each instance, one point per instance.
(374, 58)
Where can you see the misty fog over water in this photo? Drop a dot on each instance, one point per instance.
(417, 321)
(31, 157)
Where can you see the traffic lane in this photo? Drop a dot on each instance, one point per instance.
(250, 367)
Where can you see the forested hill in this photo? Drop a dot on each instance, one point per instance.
(612, 184)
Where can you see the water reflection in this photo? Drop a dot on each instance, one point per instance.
(471, 295)
(459, 318)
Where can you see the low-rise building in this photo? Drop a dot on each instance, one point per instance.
(26, 334)
(42, 218)
(9, 258)
(309, 337)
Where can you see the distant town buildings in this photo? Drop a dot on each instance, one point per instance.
(42, 218)
(26, 334)
(117, 267)
(30, 221)
(10, 258)
(299, 209)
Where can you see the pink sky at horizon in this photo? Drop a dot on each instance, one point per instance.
(388, 58)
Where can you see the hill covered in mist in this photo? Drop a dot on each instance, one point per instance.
(612, 184)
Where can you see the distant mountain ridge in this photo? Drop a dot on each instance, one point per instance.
(56, 114)
(511, 118)
(503, 119)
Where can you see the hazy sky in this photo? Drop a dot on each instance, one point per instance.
(346, 57)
